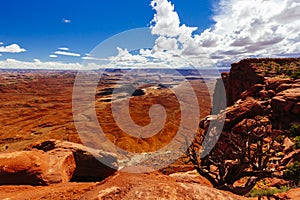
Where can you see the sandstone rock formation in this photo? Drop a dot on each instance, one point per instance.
(248, 108)
(36, 168)
(154, 186)
(55, 161)
(286, 107)
(90, 163)
(263, 99)
(249, 72)
(262, 80)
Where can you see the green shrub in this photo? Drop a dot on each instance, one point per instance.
(295, 130)
(280, 138)
(296, 74)
(278, 70)
(297, 142)
(293, 172)
(266, 192)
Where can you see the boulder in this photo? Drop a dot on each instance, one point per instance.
(286, 108)
(264, 94)
(236, 113)
(277, 84)
(61, 166)
(36, 167)
(283, 87)
(91, 164)
(252, 92)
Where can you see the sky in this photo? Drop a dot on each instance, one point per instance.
(63, 33)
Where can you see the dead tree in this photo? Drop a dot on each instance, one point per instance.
(242, 154)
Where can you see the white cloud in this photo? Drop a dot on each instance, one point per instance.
(36, 60)
(37, 64)
(66, 21)
(13, 48)
(165, 44)
(254, 27)
(64, 53)
(64, 48)
(52, 56)
(242, 28)
(1, 43)
(90, 58)
(125, 57)
(166, 21)
(0, 54)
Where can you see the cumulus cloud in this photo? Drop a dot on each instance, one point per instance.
(124, 57)
(13, 48)
(254, 28)
(65, 53)
(242, 28)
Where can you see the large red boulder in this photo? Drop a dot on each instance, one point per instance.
(91, 164)
(36, 167)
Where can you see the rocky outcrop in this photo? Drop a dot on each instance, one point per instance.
(91, 164)
(291, 194)
(265, 81)
(263, 102)
(133, 186)
(36, 168)
(245, 74)
(286, 108)
(248, 108)
(242, 76)
(54, 161)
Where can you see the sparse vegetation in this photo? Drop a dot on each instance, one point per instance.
(237, 155)
(288, 70)
(266, 192)
(295, 130)
(297, 142)
(293, 172)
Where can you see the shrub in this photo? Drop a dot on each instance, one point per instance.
(295, 130)
(293, 172)
(266, 192)
(296, 74)
(297, 142)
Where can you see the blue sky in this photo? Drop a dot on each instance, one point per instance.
(205, 32)
(38, 26)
